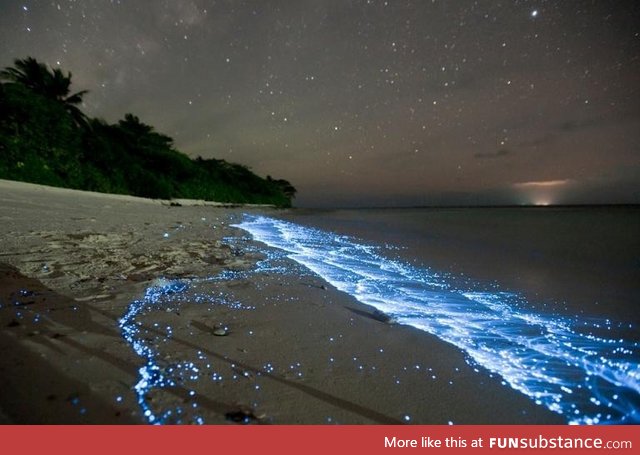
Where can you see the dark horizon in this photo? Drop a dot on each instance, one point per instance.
(368, 102)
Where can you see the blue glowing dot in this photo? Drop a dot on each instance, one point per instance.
(407, 418)
(534, 13)
(118, 399)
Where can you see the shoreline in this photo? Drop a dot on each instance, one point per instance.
(297, 350)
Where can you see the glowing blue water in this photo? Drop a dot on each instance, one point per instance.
(561, 363)
(151, 374)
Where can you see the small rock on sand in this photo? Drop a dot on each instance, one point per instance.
(220, 331)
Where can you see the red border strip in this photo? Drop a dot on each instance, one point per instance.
(368, 439)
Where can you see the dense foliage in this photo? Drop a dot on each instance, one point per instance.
(45, 138)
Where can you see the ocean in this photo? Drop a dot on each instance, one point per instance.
(547, 298)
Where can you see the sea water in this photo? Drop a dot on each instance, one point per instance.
(545, 298)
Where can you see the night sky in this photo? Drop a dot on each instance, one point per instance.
(367, 103)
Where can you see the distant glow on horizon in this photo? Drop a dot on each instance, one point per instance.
(542, 184)
(542, 202)
(566, 364)
(543, 192)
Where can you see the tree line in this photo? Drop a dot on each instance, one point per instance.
(45, 138)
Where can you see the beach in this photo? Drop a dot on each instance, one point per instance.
(124, 310)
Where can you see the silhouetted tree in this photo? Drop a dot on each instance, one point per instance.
(52, 84)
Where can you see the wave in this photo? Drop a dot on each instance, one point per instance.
(563, 363)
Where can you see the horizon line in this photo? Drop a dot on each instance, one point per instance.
(479, 206)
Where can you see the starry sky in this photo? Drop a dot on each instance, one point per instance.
(367, 102)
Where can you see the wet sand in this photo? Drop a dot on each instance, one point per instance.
(295, 350)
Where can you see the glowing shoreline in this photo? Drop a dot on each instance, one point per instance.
(587, 378)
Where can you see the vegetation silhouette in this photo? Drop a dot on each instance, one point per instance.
(46, 138)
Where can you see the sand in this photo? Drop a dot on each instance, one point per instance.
(294, 350)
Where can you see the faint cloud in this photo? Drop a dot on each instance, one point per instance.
(616, 117)
(497, 154)
(537, 142)
(543, 183)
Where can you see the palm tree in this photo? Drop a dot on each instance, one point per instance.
(53, 84)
